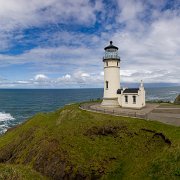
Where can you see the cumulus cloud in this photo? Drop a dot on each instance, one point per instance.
(17, 16)
(74, 80)
(69, 47)
(22, 13)
(129, 10)
(149, 49)
(41, 77)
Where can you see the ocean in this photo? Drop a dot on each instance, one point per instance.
(17, 105)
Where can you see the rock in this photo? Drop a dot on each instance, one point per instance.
(177, 100)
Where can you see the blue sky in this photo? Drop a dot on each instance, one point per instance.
(59, 43)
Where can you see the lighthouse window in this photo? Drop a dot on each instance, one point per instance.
(126, 99)
(106, 63)
(107, 83)
(134, 99)
(117, 64)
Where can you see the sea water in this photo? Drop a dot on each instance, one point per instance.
(17, 105)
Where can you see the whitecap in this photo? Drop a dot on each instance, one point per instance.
(2, 125)
(2, 131)
(6, 116)
(173, 92)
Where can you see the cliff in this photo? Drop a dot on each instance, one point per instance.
(74, 144)
(177, 100)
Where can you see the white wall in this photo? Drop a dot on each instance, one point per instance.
(140, 99)
(112, 75)
(143, 96)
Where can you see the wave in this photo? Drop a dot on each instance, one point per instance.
(174, 92)
(6, 117)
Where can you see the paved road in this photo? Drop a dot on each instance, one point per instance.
(168, 118)
(168, 115)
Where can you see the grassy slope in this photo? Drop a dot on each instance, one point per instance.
(10, 172)
(75, 143)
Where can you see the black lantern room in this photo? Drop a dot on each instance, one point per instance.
(111, 52)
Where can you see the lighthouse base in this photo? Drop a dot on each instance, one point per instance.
(110, 102)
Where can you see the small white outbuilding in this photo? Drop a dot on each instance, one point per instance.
(114, 95)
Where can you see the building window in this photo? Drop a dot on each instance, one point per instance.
(117, 63)
(106, 63)
(126, 99)
(134, 99)
(107, 84)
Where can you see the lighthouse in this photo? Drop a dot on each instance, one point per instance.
(111, 62)
(115, 96)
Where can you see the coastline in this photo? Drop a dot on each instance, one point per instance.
(59, 145)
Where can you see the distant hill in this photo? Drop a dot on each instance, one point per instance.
(74, 144)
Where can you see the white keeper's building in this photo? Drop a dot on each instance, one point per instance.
(114, 95)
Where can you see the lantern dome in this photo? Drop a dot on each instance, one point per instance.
(111, 46)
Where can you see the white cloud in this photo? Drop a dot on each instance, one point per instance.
(64, 79)
(67, 76)
(23, 13)
(149, 49)
(19, 15)
(85, 75)
(41, 77)
(23, 82)
(129, 10)
(102, 73)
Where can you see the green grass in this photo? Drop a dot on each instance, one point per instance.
(17, 172)
(170, 104)
(161, 103)
(72, 143)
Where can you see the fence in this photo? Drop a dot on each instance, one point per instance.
(113, 111)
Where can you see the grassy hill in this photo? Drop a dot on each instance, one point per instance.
(17, 172)
(72, 143)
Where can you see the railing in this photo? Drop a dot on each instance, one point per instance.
(111, 56)
(113, 111)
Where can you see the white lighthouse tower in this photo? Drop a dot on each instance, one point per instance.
(111, 61)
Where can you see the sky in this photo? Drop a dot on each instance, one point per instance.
(60, 43)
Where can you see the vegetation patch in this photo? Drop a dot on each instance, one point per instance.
(17, 172)
(177, 100)
(105, 130)
(158, 135)
(74, 144)
(163, 137)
